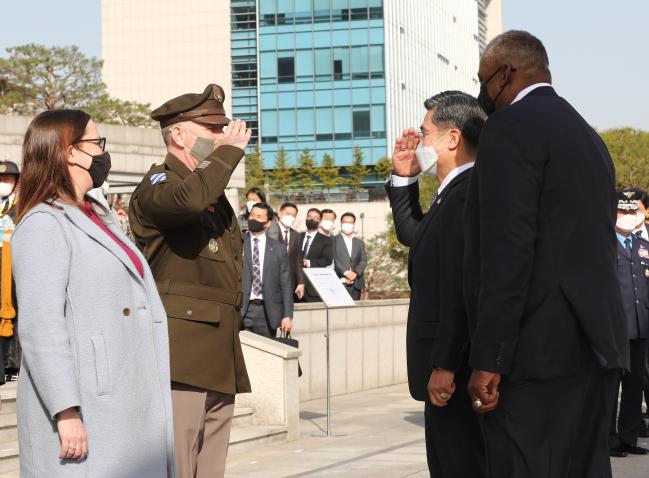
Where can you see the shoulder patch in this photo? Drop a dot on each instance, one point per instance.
(158, 178)
(204, 164)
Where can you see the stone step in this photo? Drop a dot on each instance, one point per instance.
(9, 457)
(247, 438)
(8, 430)
(242, 417)
(8, 395)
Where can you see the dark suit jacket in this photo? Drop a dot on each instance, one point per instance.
(634, 286)
(294, 252)
(357, 262)
(437, 332)
(540, 266)
(276, 281)
(320, 254)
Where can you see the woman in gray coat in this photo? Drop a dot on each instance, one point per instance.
(94, 394)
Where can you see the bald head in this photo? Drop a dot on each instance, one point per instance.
(522, 51)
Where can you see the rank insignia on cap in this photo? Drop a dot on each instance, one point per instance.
(158, 178)
(628, 194)
(3, 168)
(213, 246)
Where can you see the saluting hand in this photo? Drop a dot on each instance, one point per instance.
(404, 159)
(483, 386)
(236, 134)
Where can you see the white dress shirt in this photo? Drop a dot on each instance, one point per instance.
(282, 232)
(524, 92)
(262, 253)
(349, 240)
(400, 181)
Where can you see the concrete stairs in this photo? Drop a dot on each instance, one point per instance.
(245, 435)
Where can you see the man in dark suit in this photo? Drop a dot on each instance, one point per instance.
(317, 250)
(350, 257)
(633, 274)
(282, 230)
(437, 332)
(549, 336)
(267, 291)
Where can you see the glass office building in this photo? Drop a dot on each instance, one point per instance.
(332, 75)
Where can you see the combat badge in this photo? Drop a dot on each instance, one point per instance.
(213, 246)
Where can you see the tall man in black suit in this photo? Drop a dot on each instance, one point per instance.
(549, 336)
(350, 257)
(437, 332)
(282, 230)
(267, 288)
(317, 250)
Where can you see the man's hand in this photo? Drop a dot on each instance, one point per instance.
(236, 134)
(351, 275)
(441, 387)
(72, 434)
(484, 387)
(404, 159)
(299, 291)
(305, 263)
(287, 325)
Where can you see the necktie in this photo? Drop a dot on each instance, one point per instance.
(286, 237)
(627, 244)
(305, 251)
(256, 269)
(433, 200)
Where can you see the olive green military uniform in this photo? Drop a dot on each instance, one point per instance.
(190, 236)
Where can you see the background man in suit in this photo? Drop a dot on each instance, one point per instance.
(633, 274)
(350, 257)
(317, 250)
(437, 332)
(282, 230)
(549, 336)
(267, 288)
(328, 221)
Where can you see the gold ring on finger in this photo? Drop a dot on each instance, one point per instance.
(444, 396)
(477, 404)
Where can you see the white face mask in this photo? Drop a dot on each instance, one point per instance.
(427, 159)
(6, 189)
(628, 222)
(249, 205)
(327, 225)
(287, 220)
(347, 228)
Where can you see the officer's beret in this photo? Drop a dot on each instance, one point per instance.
(206, 107)
(9, 167)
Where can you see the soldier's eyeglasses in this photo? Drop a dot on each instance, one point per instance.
(101, 142)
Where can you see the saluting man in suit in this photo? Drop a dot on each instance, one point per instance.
(350, 257)
(267, 288)
(437, 332)
(549, 336)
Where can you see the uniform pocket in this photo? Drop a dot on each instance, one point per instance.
(101, 364)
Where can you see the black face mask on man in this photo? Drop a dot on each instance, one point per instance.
(98, 169)
(312, 224)
(255, 226)
(485, 101)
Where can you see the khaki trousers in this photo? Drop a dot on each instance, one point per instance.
(202, 422)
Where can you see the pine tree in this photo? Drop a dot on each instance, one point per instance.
(357, 171)
(255, 176)
(305, 171)
(329, 173)
(383, 167)
(281, 177)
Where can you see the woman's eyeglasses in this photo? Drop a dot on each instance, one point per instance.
(101, 142)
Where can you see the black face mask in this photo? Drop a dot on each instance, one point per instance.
(488, 104)
(99, 168)
(312, 224)
(255, 226)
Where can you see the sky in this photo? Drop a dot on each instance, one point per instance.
(598, 49)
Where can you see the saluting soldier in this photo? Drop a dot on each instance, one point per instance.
(189, 233)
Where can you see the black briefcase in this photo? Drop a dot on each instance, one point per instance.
(291, 342)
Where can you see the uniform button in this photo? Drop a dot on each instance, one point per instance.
(189, 312)
(126, 312)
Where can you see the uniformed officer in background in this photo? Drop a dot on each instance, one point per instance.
(633, 274)
(189, 233)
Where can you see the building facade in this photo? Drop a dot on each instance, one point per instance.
(333, 75)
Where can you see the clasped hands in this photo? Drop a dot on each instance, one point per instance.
(483, 389)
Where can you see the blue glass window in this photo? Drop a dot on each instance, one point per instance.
(304, 65)
(341, 63)
(360, 63)
(323, 64)
(376, 61)
(287, 123)
(361, 123)
(286, 70)
(305, 122)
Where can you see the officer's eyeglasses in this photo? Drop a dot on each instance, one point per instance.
(423, 133)
(101, 142)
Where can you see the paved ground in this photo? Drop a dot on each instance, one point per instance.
(385, 439)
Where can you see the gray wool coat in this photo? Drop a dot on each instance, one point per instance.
(94, 336)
